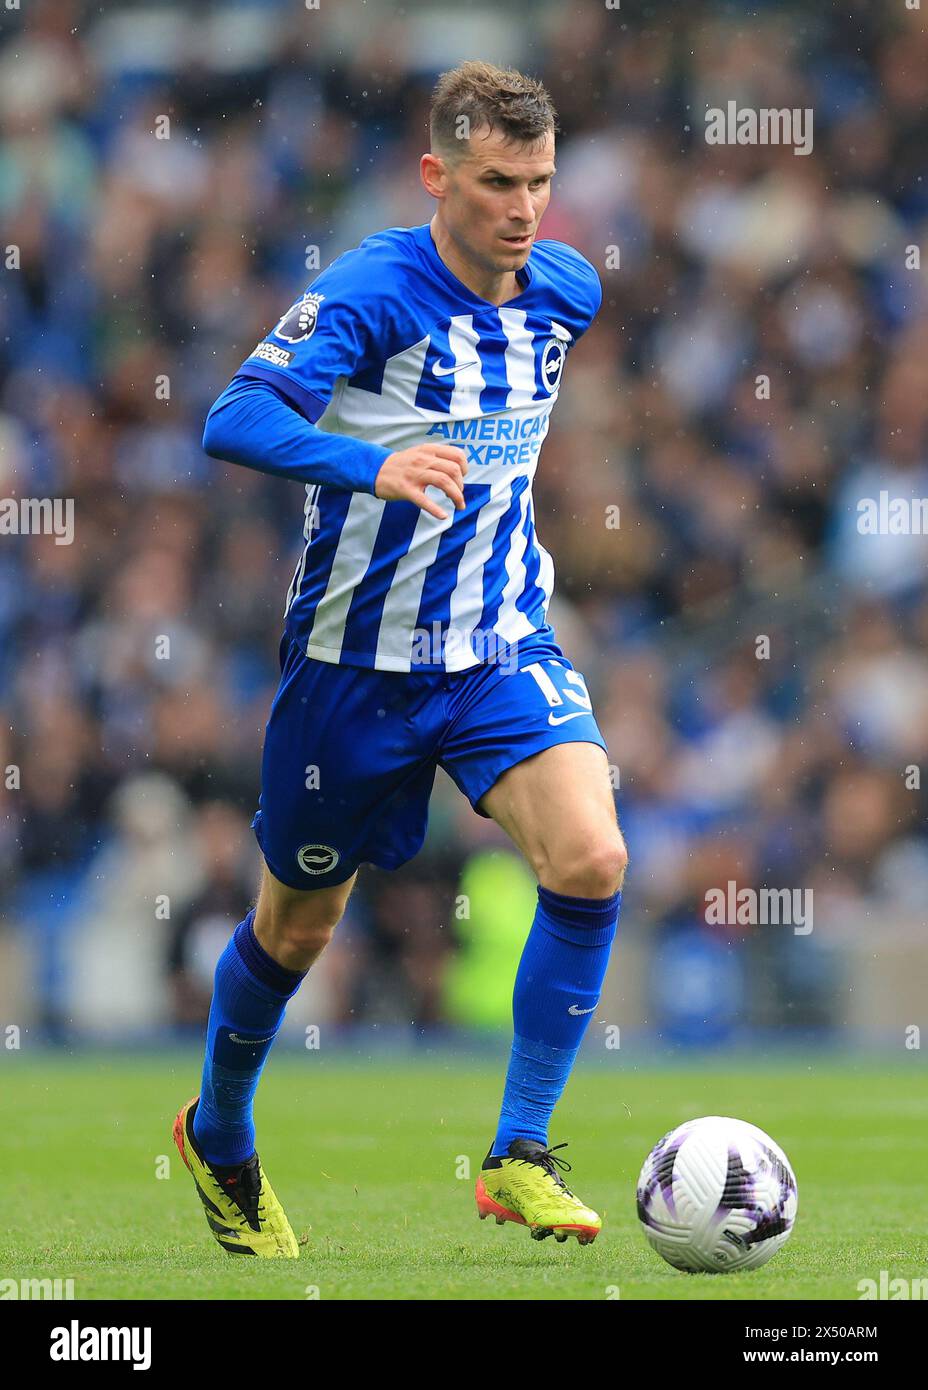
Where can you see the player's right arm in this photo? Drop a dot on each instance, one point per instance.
(266, 418)
(253, 425)
(406, 475)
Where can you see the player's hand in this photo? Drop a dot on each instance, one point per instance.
(406, 474)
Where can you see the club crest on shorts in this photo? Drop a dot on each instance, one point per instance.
(317, 859)
(299, 322)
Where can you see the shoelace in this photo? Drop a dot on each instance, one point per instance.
(545, 1158)
(246, 1191)
(253, 1187)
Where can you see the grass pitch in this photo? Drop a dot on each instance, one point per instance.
(370, 1160)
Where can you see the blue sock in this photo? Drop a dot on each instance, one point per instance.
(249, 998)
(556, 992)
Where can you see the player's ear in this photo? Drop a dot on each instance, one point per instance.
(434, 174)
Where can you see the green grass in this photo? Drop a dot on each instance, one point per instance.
(366, 1156)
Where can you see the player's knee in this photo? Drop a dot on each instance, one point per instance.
(297, 931)
(603, 869)
(306, 935)
(596, 870)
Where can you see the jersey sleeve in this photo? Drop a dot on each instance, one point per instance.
(252, 424)
(576, 286)
(596, 293)
(589, 292)
(330, 332)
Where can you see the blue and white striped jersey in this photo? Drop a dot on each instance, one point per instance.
(389, 346)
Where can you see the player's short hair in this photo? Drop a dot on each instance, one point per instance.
(487, 96)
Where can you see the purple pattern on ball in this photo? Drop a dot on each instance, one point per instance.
(663, 1157)
(741, 1193)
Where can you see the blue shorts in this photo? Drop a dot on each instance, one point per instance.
(350, 753)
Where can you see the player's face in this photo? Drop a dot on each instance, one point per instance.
(496, 196)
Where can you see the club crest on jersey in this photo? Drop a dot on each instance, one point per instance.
(317, 859)
(299, 322)
(552, 363)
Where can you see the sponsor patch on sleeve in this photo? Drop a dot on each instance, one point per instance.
(270, 352)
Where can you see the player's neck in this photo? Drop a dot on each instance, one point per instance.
(497, 288)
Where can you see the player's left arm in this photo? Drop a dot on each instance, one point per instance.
(579, 290)
(266, 418)
(253, 424)
(588, 292)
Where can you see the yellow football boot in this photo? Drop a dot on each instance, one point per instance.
(242, 1211)
(526, 1187)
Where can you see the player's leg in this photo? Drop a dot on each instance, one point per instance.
(346, 776)
(258, 973)
(298, 903)
(558, 808)
(294, 926)
(260, 970)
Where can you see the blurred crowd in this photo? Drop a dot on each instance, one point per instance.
(759, 366)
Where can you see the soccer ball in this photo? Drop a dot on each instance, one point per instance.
(716, 1195)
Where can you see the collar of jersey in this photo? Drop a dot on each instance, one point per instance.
(423, 235)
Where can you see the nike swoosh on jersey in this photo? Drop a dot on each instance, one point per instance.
(564, 717)
(574, 1010)
(439, 370)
